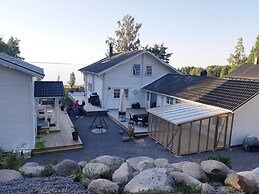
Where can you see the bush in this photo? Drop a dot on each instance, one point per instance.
(47, 171)
(12, 161)
(224, 159)
(188, 189)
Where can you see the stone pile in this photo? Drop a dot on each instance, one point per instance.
(111, 174)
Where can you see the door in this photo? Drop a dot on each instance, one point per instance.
(153, 99)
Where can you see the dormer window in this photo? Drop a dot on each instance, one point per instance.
(149, 70)
(136, 69)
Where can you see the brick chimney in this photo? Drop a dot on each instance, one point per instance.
(256, 60)
(110, 50)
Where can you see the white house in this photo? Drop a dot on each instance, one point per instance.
(199, 113)
(129, 71)
(17, 115)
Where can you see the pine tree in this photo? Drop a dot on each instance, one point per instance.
(254, 51)
(238, 57)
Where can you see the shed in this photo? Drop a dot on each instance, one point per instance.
(186, 128)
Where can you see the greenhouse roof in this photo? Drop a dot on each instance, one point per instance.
(186, 112)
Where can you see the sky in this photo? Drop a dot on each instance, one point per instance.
(197, 32)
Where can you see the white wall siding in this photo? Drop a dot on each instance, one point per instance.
(16, 116)
(246, 121)
(122, 77)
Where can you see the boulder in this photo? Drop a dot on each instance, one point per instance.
(241, 183)
(177, 166)
(95, 170)
(194, 170)
(256, 170)
(31, 168)
(123, 174)
(215, 170)
(82, 164)
(207, 188)
(103, 186)
(86, 182)
(145, 164)
(133, 162)
(161, 163)
(113, 162)
(184, 179)
(150, 179)
(251, 175)
(9, 175)
(66, 167)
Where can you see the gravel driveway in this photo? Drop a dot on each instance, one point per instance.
(110, 143)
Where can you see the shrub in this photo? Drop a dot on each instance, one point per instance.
(153, 192)
(194, 189)
(12, 161)
(106, 175)
(47, 171)
(224, 159)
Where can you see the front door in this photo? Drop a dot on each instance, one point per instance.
(153, 100)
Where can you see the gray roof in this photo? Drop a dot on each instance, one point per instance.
(22, 64)
(246, 71)
(223, 93)
(48, 89)
(109, 62)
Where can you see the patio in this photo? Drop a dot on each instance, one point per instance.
(60, 138)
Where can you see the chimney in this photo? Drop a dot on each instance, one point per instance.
(256, 60)
(110, 50)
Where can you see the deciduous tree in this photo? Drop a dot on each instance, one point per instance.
(72, 80)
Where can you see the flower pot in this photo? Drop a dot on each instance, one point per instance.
(75, 135)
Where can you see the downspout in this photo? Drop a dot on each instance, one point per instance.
(142, 69)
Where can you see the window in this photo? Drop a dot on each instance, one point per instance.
(147, 96)
(136, 69)
(90, 86)
(116, 93)
(148, 70)
(169, 100)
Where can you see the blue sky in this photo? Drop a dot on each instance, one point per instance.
(198, 32)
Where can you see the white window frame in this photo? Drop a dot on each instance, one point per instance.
(169, 101)
(116, 93)
(148, 70)
(90, 86)
(136, 69)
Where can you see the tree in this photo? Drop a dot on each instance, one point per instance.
(127, 35)
(11, 47)
(72, 80)
(254, 51)
(238, 57)
(224, 70)
(160, 52)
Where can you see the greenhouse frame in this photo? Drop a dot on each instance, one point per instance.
(187, 128)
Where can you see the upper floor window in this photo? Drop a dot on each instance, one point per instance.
(116, 93)
(149, 70)
(169, 100)
(90, 86)
(136, 69)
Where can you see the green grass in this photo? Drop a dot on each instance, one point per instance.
(189, 189)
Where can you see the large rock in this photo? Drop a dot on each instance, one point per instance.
(241, 183)
(215, 170)
(31, 168)
(103, 186)
(194, 170)
(66, 167)
(207, 188)
(150, 179)
(256, 170)
(144, 165)
(82, 164)
(161, 163)
(113, 162)
(251, 175)
(178, 166)
(184, 179)
(9, 175)
(123, 174)
(96, 170)
(133, 162)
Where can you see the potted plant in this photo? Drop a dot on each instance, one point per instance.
(75, 132)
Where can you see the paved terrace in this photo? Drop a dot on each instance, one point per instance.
(110, 143)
